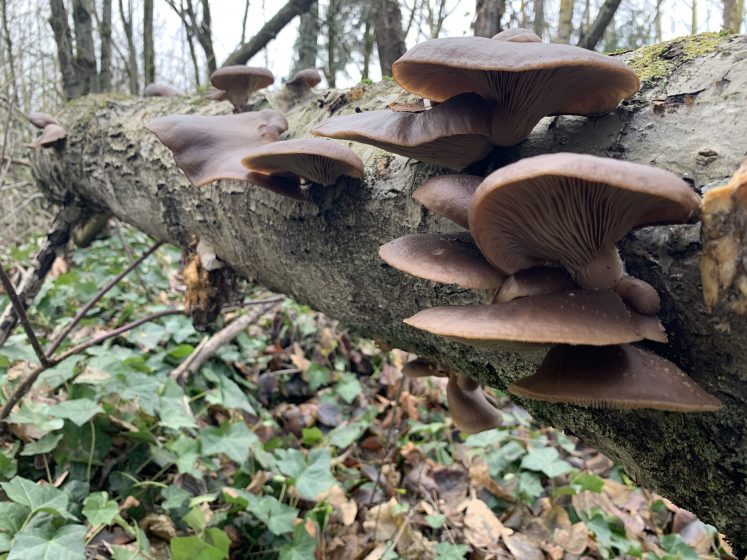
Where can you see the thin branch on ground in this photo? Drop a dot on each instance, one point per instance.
(209, 346)
(87, 307)
(20, 391)
(130, 256)
(15, 301)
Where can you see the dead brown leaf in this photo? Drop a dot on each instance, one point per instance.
(482, 528)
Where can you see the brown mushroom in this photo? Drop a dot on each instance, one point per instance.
(517, 35)
(619, 376)
(420, 367)
(594, 318)
(639, 294)
(449, 196)
(53, 136)
(316, 160)
(572, 209)
(470, 409)
(524, 81)
(535, 281)
(454, 134)
(40, 120)
(448, 258)
(210, 148)
(161, 90)
(238, 82)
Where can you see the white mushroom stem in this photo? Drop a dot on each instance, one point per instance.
(470, 409)
(603, 273)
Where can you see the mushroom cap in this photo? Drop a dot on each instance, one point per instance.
(535, 281)
(50, 136)
(208, 148)
(524, 81)
(596, 318)
(571, 208)
(450, 258)
(305, 79)
(314, 159)
(286, 186)
(470, 409)
(449, 196)
(453, 134)
(161, 90)
(40, 120)
(421, 367)
(239, 82)
(620, 376)
(517, 35)
(639, 294)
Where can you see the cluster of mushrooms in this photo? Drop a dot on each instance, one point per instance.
(52, 133)
(539, 235)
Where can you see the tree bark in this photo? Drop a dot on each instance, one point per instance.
(324, 252)
(85, 51)
(603, 19)
(268, 32)
(132, 72)
(539, 24)
(63, 38)
(565, 22)
(488, 14)
(9, 51)
(149, 55)
(332, 24)
(390, 41)
(308, 38)
(105, 34)
(730, 16)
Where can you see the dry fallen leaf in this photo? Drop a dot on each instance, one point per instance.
(482, 528)
(347, 509)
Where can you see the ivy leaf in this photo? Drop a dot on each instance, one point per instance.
(37, 498)
(235, 440)
(98, 509)
(316, 477)
(12, 517)
(78, 411)
(174, 407)
(448, 551)
(44, 445)
(36, 414)
(279, 517)
(230, 395)
(342, 436)
(302, 547)
(348, 387)
(213, 546)
(546, 460)
(65, 543)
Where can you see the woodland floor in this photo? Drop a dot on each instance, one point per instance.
(294, 441)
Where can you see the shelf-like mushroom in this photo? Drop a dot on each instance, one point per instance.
(524, 81)
(449, 196)
(453, 134)
(572, 209)
(588, 317)
(210, 148)
(619, 376)
(450, 258)
(470, 409)
(536, 281)
(40, 120)
(161, 90)
(316, 160)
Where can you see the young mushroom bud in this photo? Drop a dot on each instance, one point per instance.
(639, 295)
(470, 409)
(237, 83)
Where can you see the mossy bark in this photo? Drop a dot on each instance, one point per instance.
(689, 118)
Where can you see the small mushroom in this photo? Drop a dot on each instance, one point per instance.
(297, 90)
(639, 294)
(53, 136)
(517, 35)
(449, 196)
(619, 376)
(420, 367)
(161, 90)
(536, 281)
(447, 258)
(40, 120)
(210, 148)
(239, 82)
(470, 409)
(454, 134)
(596, 318)
(316, 160)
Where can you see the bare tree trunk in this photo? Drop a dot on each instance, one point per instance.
(657, 21)
(324, 252)
(193, 56)
(694, 17)
(585, 21)
(205, 35)
(149, 55)
(268, 32)
(604, 17)
(243, 22)
(488, 14)
(332, 25)
(539, 25)
(368, 44)
(9, 50)
(105, 35)
(63, 37)
(740, 16)
(308, 38)
(85, 50)
(731, 16)
(387, 22)
(565, 22)
(132, 71)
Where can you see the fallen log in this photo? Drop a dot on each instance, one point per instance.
(689, 118)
